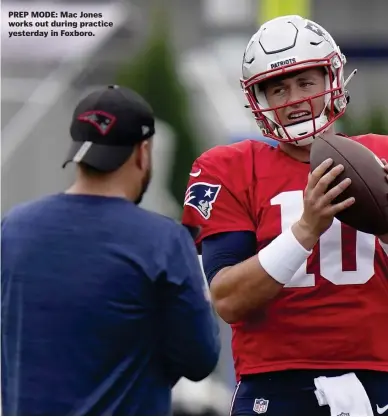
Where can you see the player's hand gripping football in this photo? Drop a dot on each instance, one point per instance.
(384, 238)
(319, 210)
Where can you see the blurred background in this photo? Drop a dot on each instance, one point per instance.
(184, 57)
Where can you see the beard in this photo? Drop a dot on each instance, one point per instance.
(144, 186)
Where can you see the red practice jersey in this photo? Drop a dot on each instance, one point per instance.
(334, 312)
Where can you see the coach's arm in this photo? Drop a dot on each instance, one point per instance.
(191, 343)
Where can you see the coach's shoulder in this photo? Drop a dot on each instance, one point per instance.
(156, 221)
(20, 210)
(163, 234)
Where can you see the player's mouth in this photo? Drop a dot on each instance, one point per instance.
(298, 116)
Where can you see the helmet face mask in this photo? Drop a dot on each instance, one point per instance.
(309, 49)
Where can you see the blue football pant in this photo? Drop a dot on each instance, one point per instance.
(291, 393)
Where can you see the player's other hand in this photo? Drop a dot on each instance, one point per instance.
(319, 210)
(384, 238)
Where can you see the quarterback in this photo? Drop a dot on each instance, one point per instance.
(306, 296)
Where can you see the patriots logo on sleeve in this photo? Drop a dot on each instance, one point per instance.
(201, 196)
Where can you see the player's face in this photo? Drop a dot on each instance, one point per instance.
(293, 87)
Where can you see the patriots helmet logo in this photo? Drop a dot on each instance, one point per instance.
(201, 196)
(318, 31)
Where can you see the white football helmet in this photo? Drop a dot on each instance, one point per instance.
(284, 45)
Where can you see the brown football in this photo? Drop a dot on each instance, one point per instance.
(369, 186)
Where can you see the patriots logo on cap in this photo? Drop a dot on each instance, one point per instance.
(201, 196)
(101, 120)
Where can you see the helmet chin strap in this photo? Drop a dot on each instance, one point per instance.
(302, 129)
(304, 142)
(310, 140)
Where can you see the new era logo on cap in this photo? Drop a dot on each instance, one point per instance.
(101, 120)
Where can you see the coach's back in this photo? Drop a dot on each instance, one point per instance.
(103, 309)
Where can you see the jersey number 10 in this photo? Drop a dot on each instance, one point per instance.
(331, 251)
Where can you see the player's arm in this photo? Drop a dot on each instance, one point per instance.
(239, 290)
(227, 241)
(239, 283)
(191, 344)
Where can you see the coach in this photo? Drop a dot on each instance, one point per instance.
(104, 307)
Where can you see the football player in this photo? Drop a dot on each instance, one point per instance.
(306, 296)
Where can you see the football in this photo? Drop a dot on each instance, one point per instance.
(369, 186)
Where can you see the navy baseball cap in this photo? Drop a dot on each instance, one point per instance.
(106, 126)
